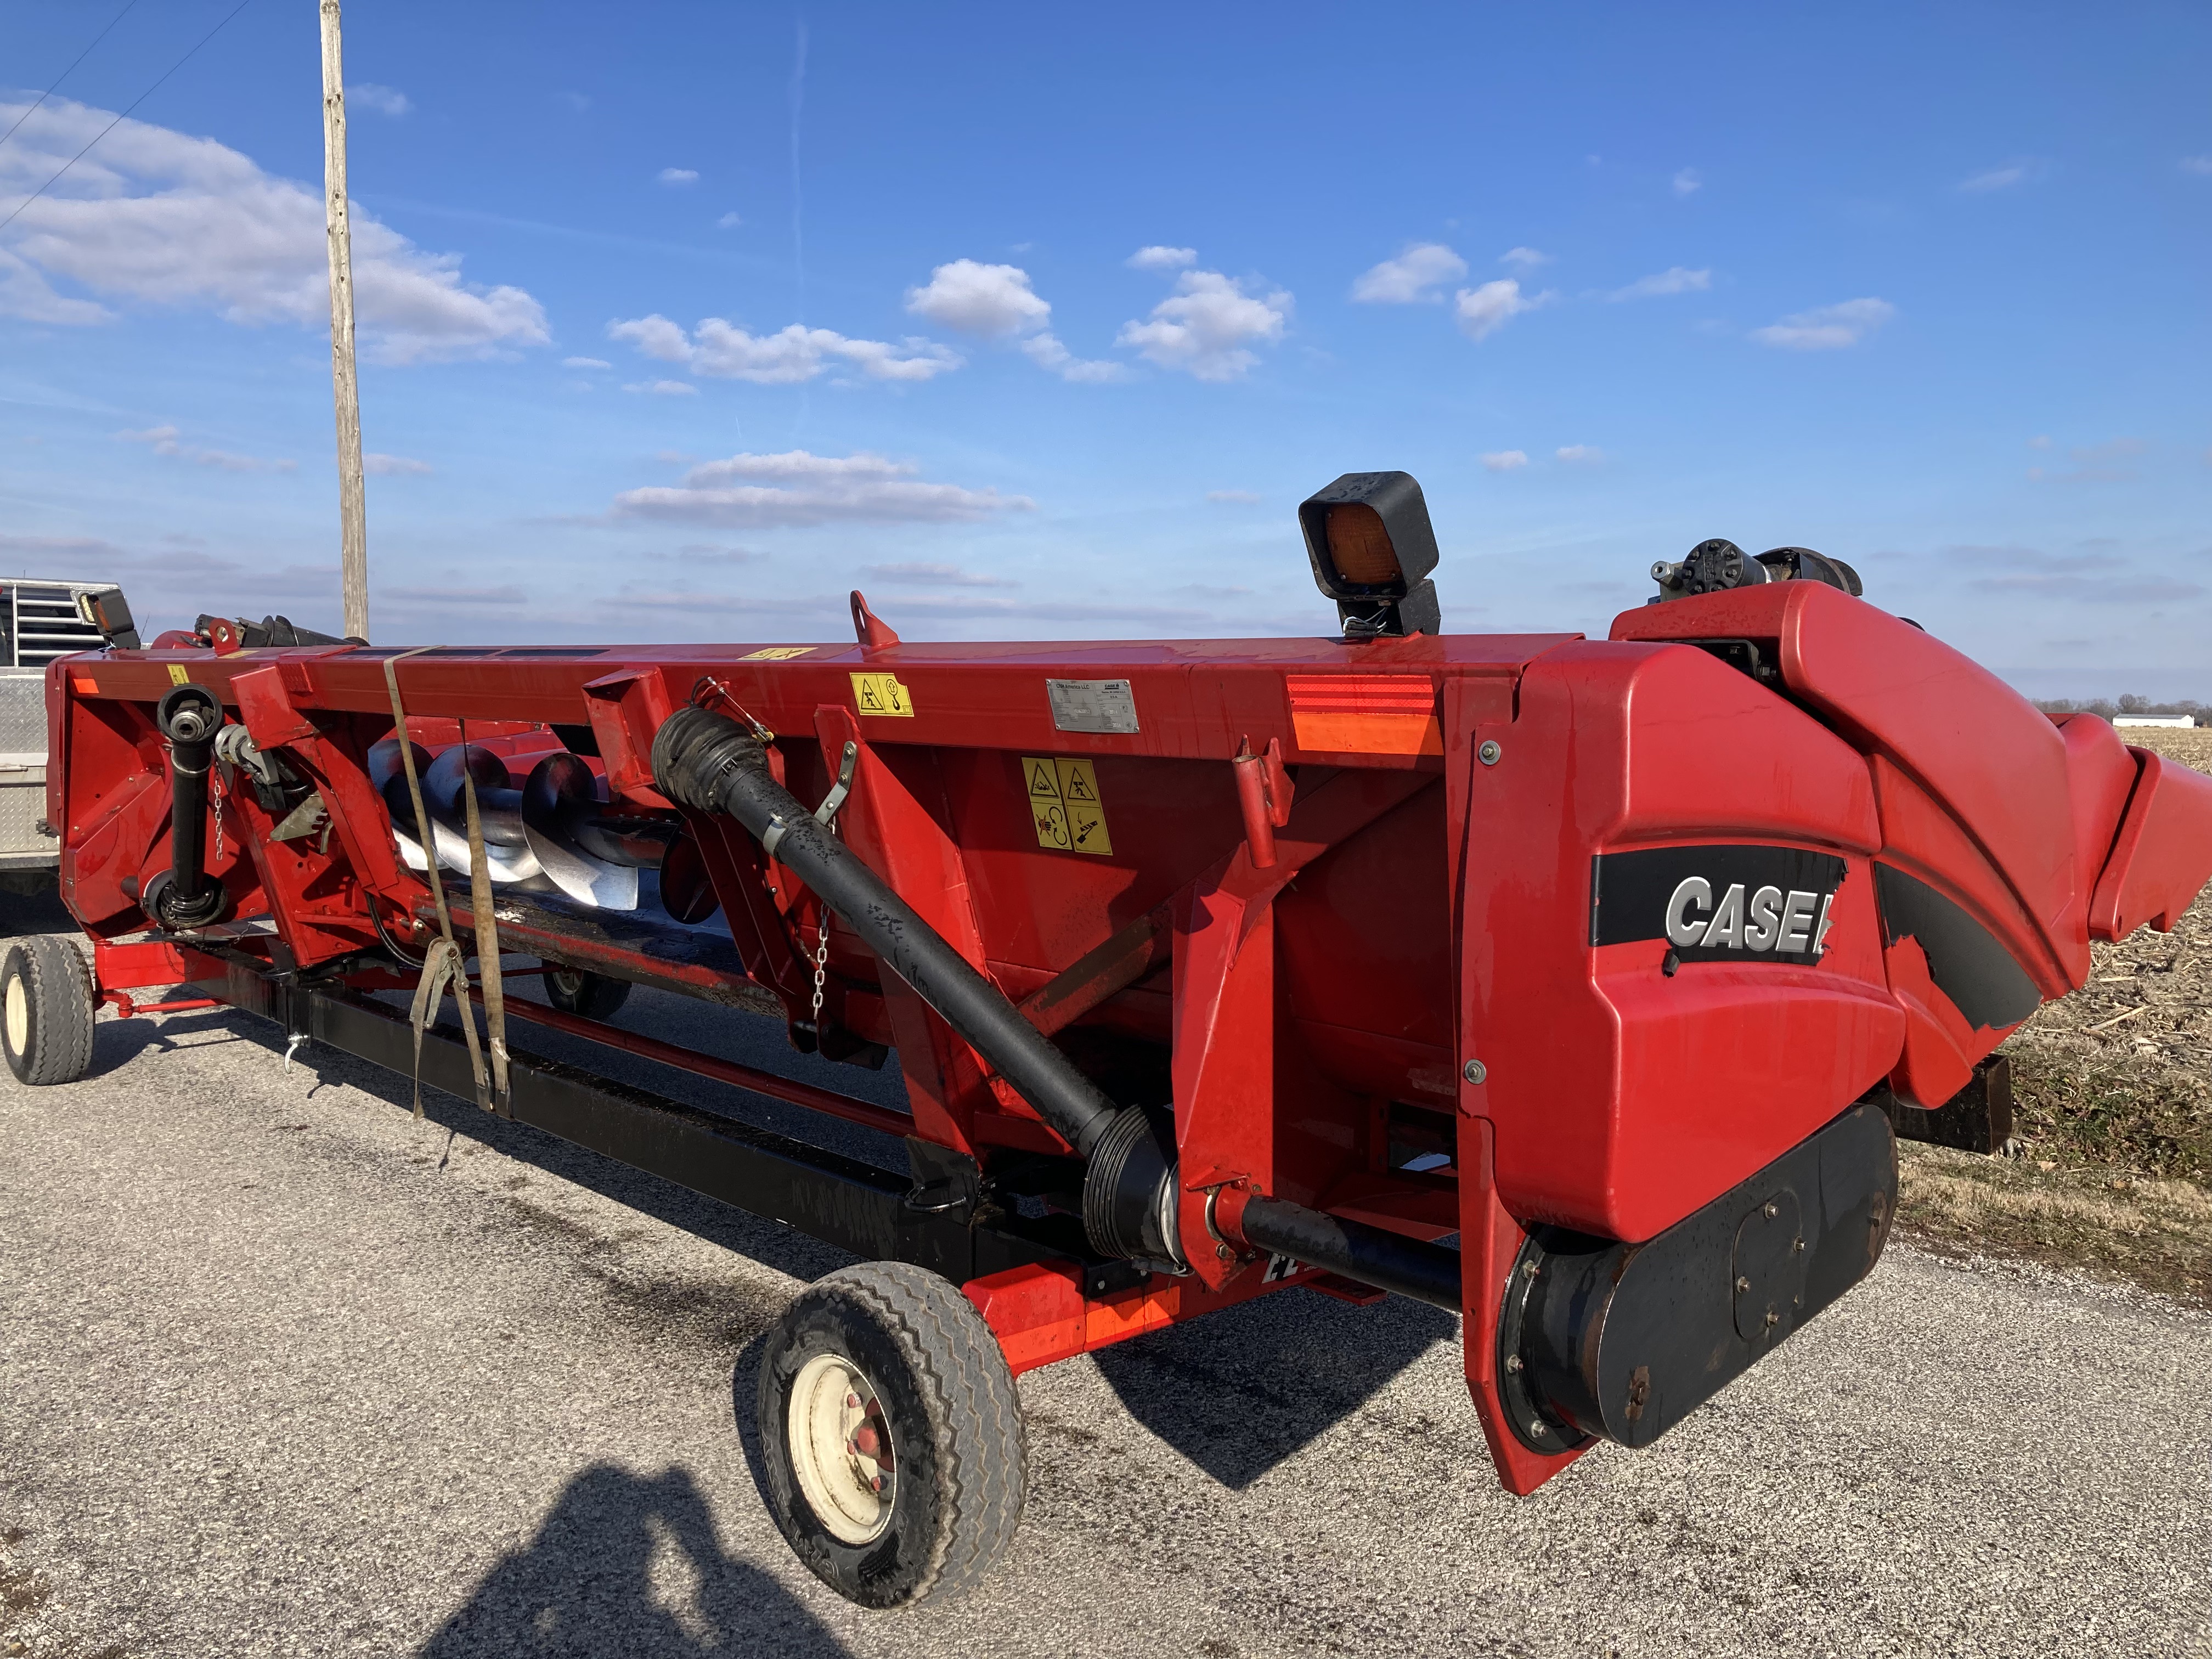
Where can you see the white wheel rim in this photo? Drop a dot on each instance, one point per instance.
(841, 1449)
(570, 985)
(19, 1016)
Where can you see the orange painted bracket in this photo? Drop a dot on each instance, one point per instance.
(1040, 1315)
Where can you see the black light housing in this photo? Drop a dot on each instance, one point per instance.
(1372, 548)
(108, 610)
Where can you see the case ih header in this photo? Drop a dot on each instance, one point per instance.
(1214, 968)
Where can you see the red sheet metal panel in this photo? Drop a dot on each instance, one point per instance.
(1624, 1094)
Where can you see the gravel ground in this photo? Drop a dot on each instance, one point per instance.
(284, 1372)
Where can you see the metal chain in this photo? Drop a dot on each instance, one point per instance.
(216, 789)
(821, 965)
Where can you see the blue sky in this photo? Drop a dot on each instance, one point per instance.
(680, 320)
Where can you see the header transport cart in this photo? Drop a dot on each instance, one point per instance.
(1578, 987)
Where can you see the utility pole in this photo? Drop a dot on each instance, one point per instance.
(353, 507)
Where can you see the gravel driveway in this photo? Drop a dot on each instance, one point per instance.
(284, 1372)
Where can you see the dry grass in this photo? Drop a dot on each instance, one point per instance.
(2112, 1089)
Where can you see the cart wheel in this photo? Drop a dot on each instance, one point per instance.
(45, 1011)
(891, 1436)
(594, 996)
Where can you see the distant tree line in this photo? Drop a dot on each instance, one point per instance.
(2104, 708)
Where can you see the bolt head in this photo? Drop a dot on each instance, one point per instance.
(1742, 1283)
(1772, 1317)
(1772, 1210)
(1474, 1071)
(1512, 1362)
(1490, 752)
(1222, 1253)
(1529, 1268)
(1538, 1429)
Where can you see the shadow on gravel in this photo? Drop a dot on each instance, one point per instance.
(1241, 1390)
(629, 1565)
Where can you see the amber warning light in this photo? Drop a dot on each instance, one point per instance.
(1372, 548)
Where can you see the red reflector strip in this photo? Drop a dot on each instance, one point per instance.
(1365, 713)
(1361, 694)
(84, 686)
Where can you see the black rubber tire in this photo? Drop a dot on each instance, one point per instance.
(574, 991)
(955, 1429)
(45, 1011)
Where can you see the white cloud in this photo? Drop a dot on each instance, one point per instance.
(389, 466)
(1505, 460)
(664, 388)
(1046, 351)
(933, 576)
(993, 301)
(1687, 183)
(655, 335)
(1523, 258)
(1483, 311)
(1996, 179)
(1205, 324)
(159, 218)
(996, 302)
(1163, 259)
(1234, 497)
(1830, 328)
(385, 100)
(722, 351)
(586, 362)
(678, 176)
(1673, 280)
(728, 221)
(167, 441)
(1579, 455)
(2200, 165)
(1415, 275)
(797, 488)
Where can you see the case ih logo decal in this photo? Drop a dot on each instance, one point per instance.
(1717, 903)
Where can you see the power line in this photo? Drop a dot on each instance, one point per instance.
(135, 102)
(65, 74)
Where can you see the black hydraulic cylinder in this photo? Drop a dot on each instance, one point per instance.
(1388, 1261)
(710, 763)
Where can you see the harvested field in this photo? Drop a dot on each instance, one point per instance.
(2112, 1089)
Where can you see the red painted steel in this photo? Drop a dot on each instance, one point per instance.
(1298, 889)
(788, 1090)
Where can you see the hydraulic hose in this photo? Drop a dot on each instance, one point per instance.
(182, 897)
(710, 763)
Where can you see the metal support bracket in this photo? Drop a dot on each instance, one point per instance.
(826, 814)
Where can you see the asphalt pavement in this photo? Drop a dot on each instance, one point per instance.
(285, 1371)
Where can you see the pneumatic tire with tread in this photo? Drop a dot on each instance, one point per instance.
(575, 991)
(910, 1341)
(46, 1011)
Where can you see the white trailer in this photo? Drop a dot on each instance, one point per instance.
(40, 618)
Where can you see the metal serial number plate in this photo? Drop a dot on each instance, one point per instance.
(1092, 705)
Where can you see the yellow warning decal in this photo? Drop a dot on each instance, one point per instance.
(881, 694)
(1064, 804)
(177, 675)
(775, 653)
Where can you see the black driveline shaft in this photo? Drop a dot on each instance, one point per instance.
(709, 762)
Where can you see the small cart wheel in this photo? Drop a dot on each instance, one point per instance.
(594, 996)
(892, 1436)
(45, 1011)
